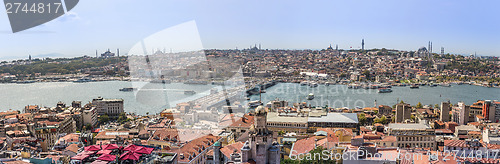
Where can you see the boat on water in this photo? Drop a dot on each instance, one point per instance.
(160, 81)
(310, 96)
(189, 92)
(25, 81)
(303, 83)
(253, 104)
(196, 82)
(127, 89)
(329, 83)
(263, 91)
(414, 86)
(83, 80)
(445, 85)
(384, 90)
(253, 91)
(433, 85)
(313, 84)
(354, 86)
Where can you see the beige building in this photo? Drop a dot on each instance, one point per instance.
(110, 107)
(286, 122)
(89, 116)
(413, 135)
(403, 112)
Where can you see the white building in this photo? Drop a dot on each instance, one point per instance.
(110, 107)
(89, 116)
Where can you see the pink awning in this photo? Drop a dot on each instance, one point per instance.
(92, 148)
(104, 152)
(99, 162)
(110, 147)
(144, 150)
(107, 157)
(131, 147)
(80, 157)
(130, 155)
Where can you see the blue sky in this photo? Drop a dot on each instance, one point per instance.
(459, 26)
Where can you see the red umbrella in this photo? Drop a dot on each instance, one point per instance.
(110, 147)
(92, 148)
(131, 147)
(87, 152)
(80, 157)
(107, 157)
(130, 155)
(144, 150)
(99, 162)
(104, 152)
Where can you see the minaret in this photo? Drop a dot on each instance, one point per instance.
(217, 157)
(363, 44)
(118, 52)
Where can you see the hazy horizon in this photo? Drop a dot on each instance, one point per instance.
(461, 27)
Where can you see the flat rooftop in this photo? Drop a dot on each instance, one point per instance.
(273, 117)
(336, 118)
(409, 126)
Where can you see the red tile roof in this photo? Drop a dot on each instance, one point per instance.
(229, 149)
(303, 146)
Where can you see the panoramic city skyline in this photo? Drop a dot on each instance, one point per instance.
(460, 27)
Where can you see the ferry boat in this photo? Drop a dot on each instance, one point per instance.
(83, 80)
(25, 82)
(354, 86)
(445, 85)
(189, 92)
(253, 91)
(329, 83)
(414, 86)
(313, 84)
(384, 90)
(160, 81)
(195, 82)
(310, 96)
(304, 83)
(253, 104)
(128, 89)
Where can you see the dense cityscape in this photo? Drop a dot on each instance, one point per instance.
(226, 126)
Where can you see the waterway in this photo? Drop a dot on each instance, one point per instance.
(153, 97)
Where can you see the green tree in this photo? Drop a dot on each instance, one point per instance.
(381, 120)
(362, 119)
(104, 118)
(88, 127)
(419, 105)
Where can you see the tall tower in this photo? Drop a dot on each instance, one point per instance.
(442, 50)
(445, 112)
(259, 46)
(363, 44)
(118, 52)
(260, 146)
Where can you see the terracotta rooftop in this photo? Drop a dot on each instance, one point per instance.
(229, 149)
(303, 146)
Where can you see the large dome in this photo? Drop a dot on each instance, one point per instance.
(260, 109)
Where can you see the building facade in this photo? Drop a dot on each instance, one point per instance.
(110, 107)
